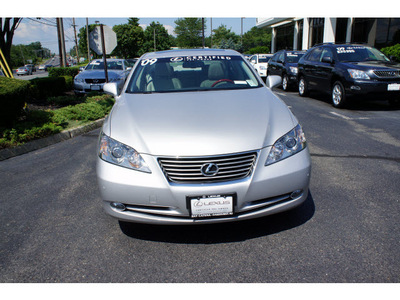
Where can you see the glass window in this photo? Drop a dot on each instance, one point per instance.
(341, 30)
(315, 55)
(359, 53)
(326, 52)
(316, 31)
(192, 73)
(293, 57)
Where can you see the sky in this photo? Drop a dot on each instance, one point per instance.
(222, 12)
(32, 30)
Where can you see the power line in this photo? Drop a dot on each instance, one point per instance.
(38, 21)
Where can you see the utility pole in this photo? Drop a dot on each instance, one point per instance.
(211, 32)
(87, 39)
(76, 42)
(202, 24)
(61, 42)
(154, 35)
(103, 49)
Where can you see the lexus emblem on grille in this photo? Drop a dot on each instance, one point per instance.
(95, 80)
(209, 169)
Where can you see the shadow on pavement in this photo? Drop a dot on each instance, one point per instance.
(224, 232)
(369, 103)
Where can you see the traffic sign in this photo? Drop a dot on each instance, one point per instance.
(110, 40)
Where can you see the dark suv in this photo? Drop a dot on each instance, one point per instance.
(284, 64)
(348, 69)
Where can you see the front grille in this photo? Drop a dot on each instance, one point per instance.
(387, 74)
(95, 81)
(189, 169)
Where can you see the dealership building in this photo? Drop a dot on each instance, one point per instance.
(303, 33)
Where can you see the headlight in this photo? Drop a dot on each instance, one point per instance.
(122, 155)
(77, 79)
(358, 74)
(288, 145)
(293, 70)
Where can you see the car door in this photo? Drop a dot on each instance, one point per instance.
(311, 68)
(325, 69)
(272, 64)
(280, 63)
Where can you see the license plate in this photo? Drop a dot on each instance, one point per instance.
(211, 206)
(95, 88)
(394, 87)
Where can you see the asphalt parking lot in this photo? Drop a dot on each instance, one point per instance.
(53, 228)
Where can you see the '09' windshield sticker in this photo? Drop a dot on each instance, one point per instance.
(149, 62)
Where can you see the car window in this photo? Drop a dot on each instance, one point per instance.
(315, 55)
(281, 57)
(359, 53)
(253, 59)
(326, 52)
(275, 57)
(191, 73)
(293, 57)
(263, 59)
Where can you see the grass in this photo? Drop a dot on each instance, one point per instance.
(42, 123)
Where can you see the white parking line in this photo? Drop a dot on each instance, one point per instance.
(346, 117)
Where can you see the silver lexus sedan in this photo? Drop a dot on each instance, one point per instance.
(92, 78)
(195, 136)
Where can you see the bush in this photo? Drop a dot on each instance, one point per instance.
(45, 87)
(64, 100)
(57, 72)
(13, 95)
(39, 123)
(392, 51)
(69, 83)
(258, 49)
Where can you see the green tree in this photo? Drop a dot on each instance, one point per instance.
(129, 39)
(7, 29)
(189, 32)
(256, 37)
(156, 34)
(225, 37)
(82, 44)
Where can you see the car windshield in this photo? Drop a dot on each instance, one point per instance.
(293, 57)
(191, 73)
(264, 59)
(99, 65)
(359, 53)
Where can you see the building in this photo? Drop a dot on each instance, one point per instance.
(303, 33)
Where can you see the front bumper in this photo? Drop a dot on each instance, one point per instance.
(84, 88)
(150, 198)
(372, 88)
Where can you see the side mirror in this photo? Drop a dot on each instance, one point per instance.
(111, 88)
(327, 59)
(273, 81)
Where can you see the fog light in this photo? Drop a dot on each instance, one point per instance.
(118, 206)
(296, 194)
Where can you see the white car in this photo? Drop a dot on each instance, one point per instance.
(196, 137)
(260, 63)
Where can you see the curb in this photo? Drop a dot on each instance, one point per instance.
(41, 143)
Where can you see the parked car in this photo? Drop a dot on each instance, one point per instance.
(132, 61)
(260, 63)
(284, 64)
(345, 70)
(44, 67)
(31, 66)
(92, 78)
(196, 137)
(25, 70)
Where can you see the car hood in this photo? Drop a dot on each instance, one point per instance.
(99, 74)
(376, 65)
(199, 123)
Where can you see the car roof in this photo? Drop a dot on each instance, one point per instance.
(190, 52)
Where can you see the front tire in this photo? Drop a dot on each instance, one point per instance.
(285, 83)
(303, 87)
(338, 95)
